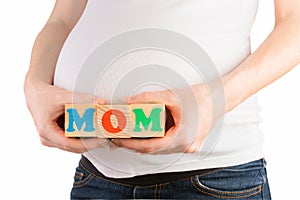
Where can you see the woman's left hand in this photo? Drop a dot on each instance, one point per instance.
(192, 117)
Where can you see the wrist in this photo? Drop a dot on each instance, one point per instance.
(234, 91)
(211, 101)
(32, 82)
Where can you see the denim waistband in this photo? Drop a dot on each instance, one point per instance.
(143, 180)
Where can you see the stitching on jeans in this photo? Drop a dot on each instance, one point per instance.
(219, 196)
(134, 190)
(104, 178)
(79, 173)
(155, 191)
(227, 197)
(159, 191)
(263, 178)
(216, 170)
(78, 177)
(83, 182)
(146, 186)
(231, 192)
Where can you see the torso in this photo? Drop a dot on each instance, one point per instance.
(220, 27)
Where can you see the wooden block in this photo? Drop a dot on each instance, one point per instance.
(80, 120)
(147, 120)
(115, 121)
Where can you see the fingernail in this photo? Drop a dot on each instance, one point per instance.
(115, 141)
(126, 99)
(112, 147)
(99, 101)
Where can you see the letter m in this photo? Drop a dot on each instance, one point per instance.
(140, 118)
(87, 118)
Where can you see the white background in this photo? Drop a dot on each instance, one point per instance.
(29, 170)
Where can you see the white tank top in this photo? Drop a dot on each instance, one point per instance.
(220, 27)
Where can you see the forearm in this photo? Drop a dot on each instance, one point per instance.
(50, 40)
(45, 52)
(277, 55)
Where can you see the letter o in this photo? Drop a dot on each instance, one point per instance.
(106, 122)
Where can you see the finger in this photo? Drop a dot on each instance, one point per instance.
(112, 146)
(151, 145)
(149, 97)
(171, 145)
(99, 101)
(53, 136)
(94, 143)
(80, 98)
(197, 141)
(164, 97)
(79, 145)
(56, 138)
(76, 145)
(140, 145)
(194, 147)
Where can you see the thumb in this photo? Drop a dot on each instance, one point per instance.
(82, 98)
(99, 100)
(139, 98)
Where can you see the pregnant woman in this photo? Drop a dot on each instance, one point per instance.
(185, 164)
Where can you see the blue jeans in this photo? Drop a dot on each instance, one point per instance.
(246, 181)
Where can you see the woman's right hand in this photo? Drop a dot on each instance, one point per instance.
(46, 104)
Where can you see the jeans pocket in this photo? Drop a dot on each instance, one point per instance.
(81, 177)
(233, 182)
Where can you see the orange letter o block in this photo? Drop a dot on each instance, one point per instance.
(106, 122)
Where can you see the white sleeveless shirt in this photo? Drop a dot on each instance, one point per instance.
(220, 27)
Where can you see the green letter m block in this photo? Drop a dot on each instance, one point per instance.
(140, 117)
(87, 118)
